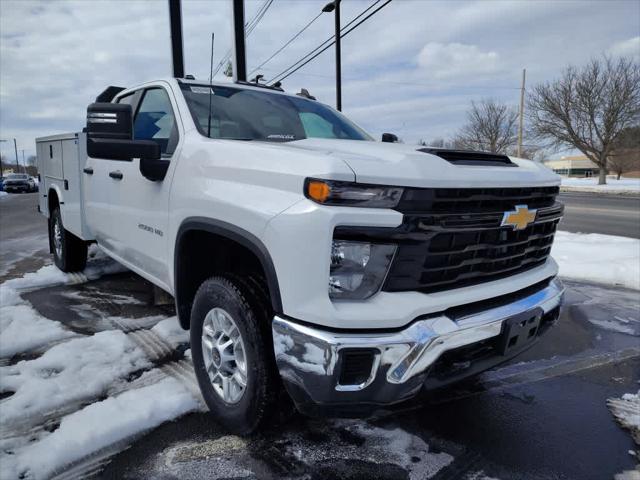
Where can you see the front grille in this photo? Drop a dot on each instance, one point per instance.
(474, 200)
(452, 238)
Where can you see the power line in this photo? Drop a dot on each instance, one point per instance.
(413, 84)
(286, 44)
(327, 43)
(249, 27)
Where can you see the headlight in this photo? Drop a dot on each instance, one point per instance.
(358, 268)
(329, 192)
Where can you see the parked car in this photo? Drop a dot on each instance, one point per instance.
(1, 184)
(300, 251)
(19, 182)
(36, 183)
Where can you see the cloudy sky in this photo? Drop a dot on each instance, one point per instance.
(411, 69)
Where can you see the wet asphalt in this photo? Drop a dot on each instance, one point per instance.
(542, 416)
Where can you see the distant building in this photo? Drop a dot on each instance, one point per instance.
(573, 166)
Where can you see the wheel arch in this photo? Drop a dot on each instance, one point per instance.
(54, 198)
(184, 293)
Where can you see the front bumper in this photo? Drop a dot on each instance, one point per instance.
(397, 364)
(19, 187)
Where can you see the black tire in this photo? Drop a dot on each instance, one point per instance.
(249, 312)
(71, 253)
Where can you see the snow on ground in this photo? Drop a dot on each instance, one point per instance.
(100, 425)
(170, 330)
(626, 410)
(3, 194)
(25, 329)
(77, 370)
(622, 186)
(598, 258)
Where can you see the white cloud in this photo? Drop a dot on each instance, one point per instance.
(627, 48)
(447, 60)
(436, 54)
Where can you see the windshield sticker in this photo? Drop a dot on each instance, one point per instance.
(196, 89)
(282, 136)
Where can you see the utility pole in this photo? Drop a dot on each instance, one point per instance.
(239, 52)
(15, 146)
(177, 44)
(524, 73)
(1, 174)
(338, 60)
(24, 164)
(335, 7)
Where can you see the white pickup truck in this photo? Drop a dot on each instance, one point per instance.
(301, 252)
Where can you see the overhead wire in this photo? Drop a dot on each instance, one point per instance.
(286, 44)
(324, 46)
(249, 27)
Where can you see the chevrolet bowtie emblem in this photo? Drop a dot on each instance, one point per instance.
(520, 218)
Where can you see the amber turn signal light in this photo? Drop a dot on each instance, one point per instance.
(318, 191)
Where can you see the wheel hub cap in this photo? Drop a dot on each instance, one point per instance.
(57, 237)
(224, 355)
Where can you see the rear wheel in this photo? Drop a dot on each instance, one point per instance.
(69, 252)
(232, 353)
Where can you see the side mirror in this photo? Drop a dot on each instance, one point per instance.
(110, 134)
(154, 169)
(389, 138)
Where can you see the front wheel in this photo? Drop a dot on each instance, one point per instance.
(69, 252)
(232, 353)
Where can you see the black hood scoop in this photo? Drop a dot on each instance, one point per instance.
(469, 157)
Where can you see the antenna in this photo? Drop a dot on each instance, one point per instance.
(210, 87)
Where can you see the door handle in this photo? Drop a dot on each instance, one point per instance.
(88, 170)
(117, 174)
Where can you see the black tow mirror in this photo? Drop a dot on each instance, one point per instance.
(110, 134)
(389, 138)
(154, 169)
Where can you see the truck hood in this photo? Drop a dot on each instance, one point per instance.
(403, 165)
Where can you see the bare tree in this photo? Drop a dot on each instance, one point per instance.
(587, 108)
(625, 156)
(490, 126)
(530, 152)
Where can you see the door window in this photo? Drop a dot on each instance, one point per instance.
(155, 121)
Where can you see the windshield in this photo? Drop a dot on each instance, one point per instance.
(16, 176)
(244, 114)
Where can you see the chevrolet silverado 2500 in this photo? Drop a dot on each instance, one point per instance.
(300, 251)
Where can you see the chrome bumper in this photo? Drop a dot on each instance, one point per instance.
(309, 358)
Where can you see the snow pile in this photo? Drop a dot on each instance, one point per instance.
(25, 329)
(598, 258)
(66, 385)
(78, 370)
(170, 330)
(3, 194)
(22, 327)
(622, 186)
(100, 425)
(626, 410)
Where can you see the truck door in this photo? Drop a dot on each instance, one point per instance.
(98, 186)
(140, 207)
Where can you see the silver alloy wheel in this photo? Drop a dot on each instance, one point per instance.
(57, 237)
(224, 355)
